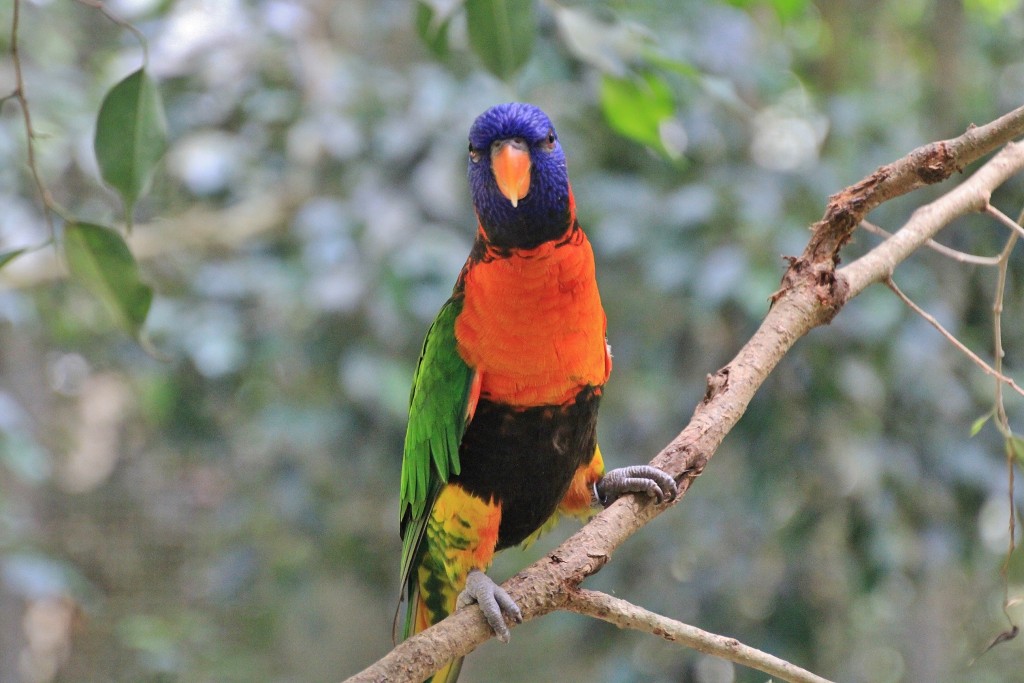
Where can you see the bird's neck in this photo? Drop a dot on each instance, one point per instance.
(545, 215)
(544, 303)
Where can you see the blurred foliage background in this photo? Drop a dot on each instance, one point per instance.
(230, 513)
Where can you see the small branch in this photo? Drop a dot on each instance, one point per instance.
(627, 615)
(30, 134)
(1002, 421)
(1013, 225)
(956, 255)
(123, 23)
(986, 368)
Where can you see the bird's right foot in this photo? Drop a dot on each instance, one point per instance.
(492, 599)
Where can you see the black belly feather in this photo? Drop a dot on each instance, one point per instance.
(526, 458)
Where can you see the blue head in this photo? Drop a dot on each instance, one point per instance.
(517, 176)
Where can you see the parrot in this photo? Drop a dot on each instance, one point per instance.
(501, 439)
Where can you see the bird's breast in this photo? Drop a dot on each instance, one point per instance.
(533, 326)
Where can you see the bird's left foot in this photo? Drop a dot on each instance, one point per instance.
(636, 479)
(493, 600)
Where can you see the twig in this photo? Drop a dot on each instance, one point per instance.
(123, 23)
(1002, 421)
(988, 369)
(30, 134)
(955, 254)
(627, 615)
(1013, 225)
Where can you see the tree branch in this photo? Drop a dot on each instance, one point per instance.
(970, 196)
(811, 295)
(627, 615)
(926, 165)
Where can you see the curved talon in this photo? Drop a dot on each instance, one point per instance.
(636, 479)
(492, 599)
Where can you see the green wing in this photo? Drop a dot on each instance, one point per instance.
(438, 414)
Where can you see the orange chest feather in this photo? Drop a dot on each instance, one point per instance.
(532, 325)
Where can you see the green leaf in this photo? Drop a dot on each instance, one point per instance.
(100, 259)
(784, 9)
(8, 256)
(788, 10)
(131, 136)
(979, 423)
(991, 11)
(636, 107)
(432, 28)
(501, 33)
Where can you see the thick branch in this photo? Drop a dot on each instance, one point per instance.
(627, 615)
(802, 304)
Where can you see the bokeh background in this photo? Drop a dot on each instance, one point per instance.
(229, 512)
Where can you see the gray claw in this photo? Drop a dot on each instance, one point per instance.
(492, 599)
(636, 479)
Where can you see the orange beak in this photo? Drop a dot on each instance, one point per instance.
(510, 162)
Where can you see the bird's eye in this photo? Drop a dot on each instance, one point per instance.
(474, 154)
(549, 141)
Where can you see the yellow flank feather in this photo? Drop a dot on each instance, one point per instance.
(461, 535)
(579, 499)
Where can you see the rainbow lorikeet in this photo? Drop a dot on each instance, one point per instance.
(502, 422)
